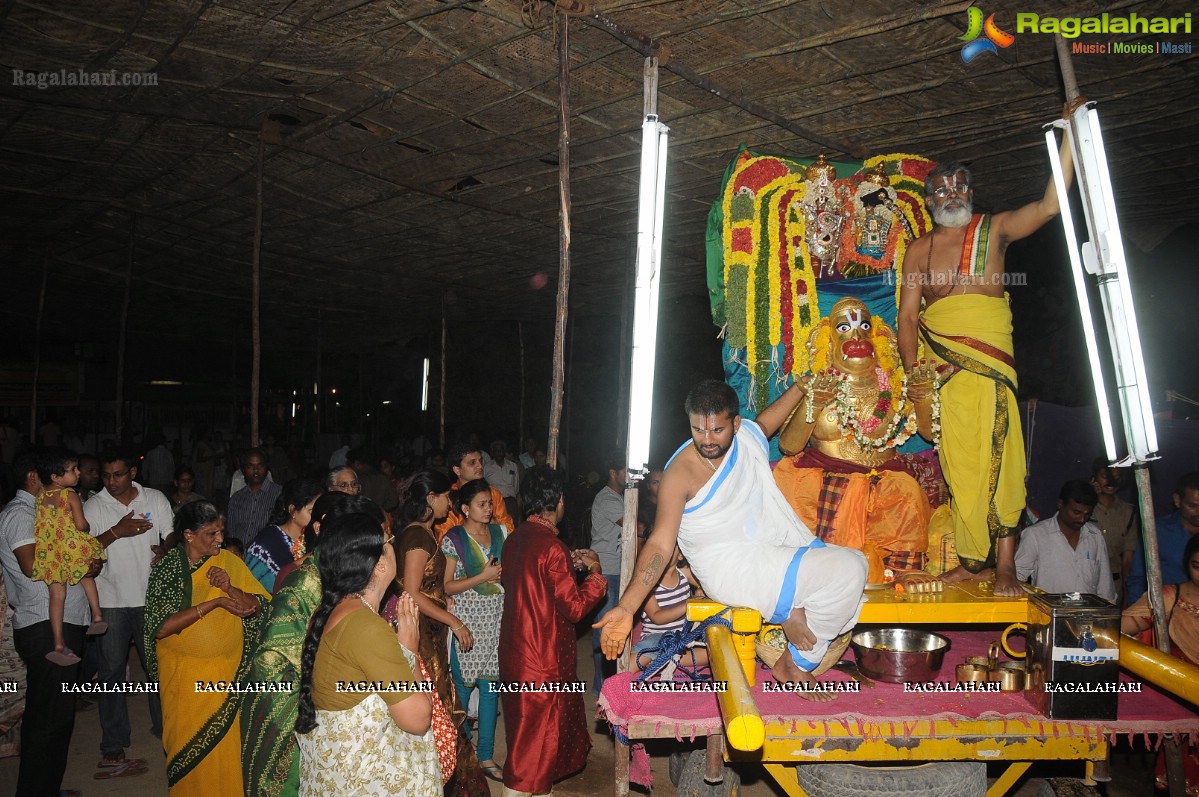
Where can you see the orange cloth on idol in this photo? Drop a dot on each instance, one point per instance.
(880, 513)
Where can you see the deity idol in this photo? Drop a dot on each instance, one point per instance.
(843, 476)
(822, 218)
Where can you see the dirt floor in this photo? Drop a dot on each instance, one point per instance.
(1132, 772)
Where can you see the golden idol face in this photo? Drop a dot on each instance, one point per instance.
(852, 350)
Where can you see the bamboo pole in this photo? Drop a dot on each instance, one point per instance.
(255, 302)
(318, 403)
(37, 348)
(121, 336)
(551, 445)
(1175, 774)
(628, 533)
(444, 327)
(520, 336)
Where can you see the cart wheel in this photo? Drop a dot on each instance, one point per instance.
(1066, 787)
(691, 779)
(946, 779)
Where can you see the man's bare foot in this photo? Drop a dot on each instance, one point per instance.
(785, 670)
(797, 631)
(960, 573)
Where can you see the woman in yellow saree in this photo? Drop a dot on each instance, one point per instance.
(203, 618)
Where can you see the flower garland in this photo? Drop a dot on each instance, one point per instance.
(900, 427)
(936, 411)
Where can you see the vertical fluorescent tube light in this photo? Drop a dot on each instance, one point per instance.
(1143, 431)
(1104, 256)
(1080, 287)
(424, 388)
(645, 298)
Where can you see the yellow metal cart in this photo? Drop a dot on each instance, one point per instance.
(743, 736)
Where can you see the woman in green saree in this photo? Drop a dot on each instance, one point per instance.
(270, 760)
(203, 617)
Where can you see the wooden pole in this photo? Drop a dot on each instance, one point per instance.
(255, 302)
(319, 403)
(441, 422)
(628, 533)
(120, 430)
(551, 445)
(520, 336)
(37, 348)
(1175, 774)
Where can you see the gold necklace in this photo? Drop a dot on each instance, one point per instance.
(705, 459)
(366, 603)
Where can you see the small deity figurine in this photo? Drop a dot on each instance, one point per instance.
(873, 221)
(843, 476)
(822, 218)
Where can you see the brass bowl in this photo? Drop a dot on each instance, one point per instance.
(896, 655)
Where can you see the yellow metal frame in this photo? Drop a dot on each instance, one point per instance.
(779, 745)
(960, 602)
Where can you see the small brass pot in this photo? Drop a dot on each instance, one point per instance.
(1010, 675)
(971, 673)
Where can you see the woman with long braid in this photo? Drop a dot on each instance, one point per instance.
(364, 725)
(270, 760)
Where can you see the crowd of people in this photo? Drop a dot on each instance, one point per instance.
(253, 620)
(427, 597)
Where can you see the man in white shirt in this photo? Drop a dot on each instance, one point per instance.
(49, 718)
(1067, 553)
(503, 473)
(131, 521)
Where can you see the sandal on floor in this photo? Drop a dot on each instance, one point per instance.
(129, 769)
(492, 771)
(63, 659)
(97, 628)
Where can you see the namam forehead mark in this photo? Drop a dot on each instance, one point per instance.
(956, 182)
(713, 424)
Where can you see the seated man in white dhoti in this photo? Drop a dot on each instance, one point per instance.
(719, 502)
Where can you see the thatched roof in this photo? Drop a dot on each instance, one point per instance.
(411, 153)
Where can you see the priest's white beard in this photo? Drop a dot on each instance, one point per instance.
(954, 213)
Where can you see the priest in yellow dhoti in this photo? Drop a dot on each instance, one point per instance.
(952, 298)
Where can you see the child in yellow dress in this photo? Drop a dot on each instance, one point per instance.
(64, 551)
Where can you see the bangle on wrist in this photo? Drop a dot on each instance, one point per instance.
(594, 567)
(199, 613)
